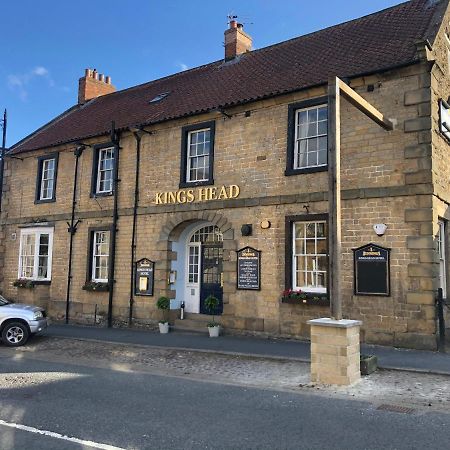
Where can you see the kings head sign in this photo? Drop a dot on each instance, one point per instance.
(197, 195)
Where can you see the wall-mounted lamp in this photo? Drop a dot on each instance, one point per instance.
(265, 224)
(247, 229)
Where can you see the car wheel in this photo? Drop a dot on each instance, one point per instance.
(15, 334)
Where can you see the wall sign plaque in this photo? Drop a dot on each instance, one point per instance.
(249, 269)
(372, 270)
(144, 277)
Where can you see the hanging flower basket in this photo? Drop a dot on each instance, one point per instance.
(95, 286)
(24, 284)
(304, 298)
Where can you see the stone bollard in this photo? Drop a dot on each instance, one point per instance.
(335, 351)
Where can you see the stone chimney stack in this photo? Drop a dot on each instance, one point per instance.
(93, 85)
(236, 41)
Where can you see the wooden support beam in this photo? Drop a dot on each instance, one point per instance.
(335, 87)
(334, 197)
(364, 106)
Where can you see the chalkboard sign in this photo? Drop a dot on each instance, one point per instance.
(144, 277)
(372, 270)
(249, 269)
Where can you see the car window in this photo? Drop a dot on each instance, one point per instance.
(3, 301)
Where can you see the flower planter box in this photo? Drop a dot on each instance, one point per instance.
(309, 300)
(368, 364)
(24, 284)
(96, 287)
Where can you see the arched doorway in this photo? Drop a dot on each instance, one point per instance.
(203, 268)
(175, 239)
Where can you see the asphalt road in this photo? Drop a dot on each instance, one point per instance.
(143, 411)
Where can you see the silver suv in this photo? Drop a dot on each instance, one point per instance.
(18, 322)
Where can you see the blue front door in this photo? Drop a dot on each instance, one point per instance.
(211, 276)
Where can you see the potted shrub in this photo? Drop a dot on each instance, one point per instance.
(163, 304)
(211, 304)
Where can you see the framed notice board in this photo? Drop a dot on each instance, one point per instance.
(249, 269)
(144, 277)
(372, 270)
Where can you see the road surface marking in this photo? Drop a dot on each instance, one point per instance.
(59, 436)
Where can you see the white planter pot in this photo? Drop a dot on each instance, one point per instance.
(164, 327)
(214, 331)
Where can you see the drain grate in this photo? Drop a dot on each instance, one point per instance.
(396, 408)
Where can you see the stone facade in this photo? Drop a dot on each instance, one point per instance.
(400, 178)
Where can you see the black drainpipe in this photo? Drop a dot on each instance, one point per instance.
(138, 138)
(3, 151)
(72, 227)
(115, 139)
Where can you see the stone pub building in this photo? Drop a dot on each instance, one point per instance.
(214, 180)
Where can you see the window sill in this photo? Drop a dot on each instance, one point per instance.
(26, 283)
(290, 172)
(95, 286)
(102, 194)
(49, 200)
(193, 184)
(309, 299)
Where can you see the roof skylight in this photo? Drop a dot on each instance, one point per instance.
(159, 97)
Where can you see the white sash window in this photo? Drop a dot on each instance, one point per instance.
(35, 254)
(310, 262)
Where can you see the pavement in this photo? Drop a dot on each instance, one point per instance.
(388, 357)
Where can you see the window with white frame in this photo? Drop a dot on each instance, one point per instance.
(35, 254)
(198, 154)
(100, 256)
(105, 170)
(311, 137)
(47, 181)
(310, 262)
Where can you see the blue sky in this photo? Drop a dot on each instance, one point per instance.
(49, 43)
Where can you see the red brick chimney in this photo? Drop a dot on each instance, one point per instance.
(93, 85)
(236, 41)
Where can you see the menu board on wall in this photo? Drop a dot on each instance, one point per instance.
(249, 269)
(372, 270)
(144, 279)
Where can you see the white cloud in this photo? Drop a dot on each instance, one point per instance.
(40, 71)
(19, 83)
(183, 66)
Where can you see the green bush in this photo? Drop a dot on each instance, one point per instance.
(211, 304)
(163, 303)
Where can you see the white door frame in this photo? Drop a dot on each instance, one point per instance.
(192, 289)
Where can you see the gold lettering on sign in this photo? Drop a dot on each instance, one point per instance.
(371, 253)
(190, 195)
(223, 193)
(158, 199)
(171, 197)
(181, 197)
(212, 193)
(234, 191)
(200, 195)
